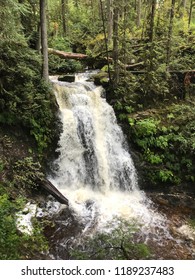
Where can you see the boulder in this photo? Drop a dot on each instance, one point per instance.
(67, 78)
(101, 79)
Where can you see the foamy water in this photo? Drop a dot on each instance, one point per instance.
(95, 170)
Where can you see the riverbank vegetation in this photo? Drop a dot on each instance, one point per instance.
(146, 50)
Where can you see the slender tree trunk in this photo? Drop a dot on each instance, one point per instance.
(183, 3)
(110, 19)
(159, 14)
(169, 41)
(182, 7)
(151, 30)
(190, 14)
(105, 37)
(38, 38)
(64, 26)
(44, 46)
(138, 8)
(115, 44)
(125, 25)
(144, 26)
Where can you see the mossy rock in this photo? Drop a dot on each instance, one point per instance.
(101, 79)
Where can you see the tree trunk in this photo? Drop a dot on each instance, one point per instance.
(51, 189)
(105, 38)
(38, 38)
(182, 8)
(67, 55)
(44, 46)
(170, 32)
(190, 14)
(115, 44)
(183, 3)
(125, 25)
(151, 30)
(64, 12)
(110, 19)
(138, 8)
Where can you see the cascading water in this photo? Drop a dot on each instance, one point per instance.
(95, 170)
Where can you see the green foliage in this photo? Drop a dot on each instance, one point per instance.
(118, 106)
(10, 27)
(60, 43)
(1, 165)
(9, 240)
(192, 223)
(58, 65)
(116, 245)
(124, 109)
(25, 98)
(154, 84)
(61, 66)
(166, 143)
(26, 172)
(84, 23)
(165, 175)
(96, 45)
(13, 244)
(146, 127)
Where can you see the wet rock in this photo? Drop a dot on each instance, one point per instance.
(67, 78)
(183, 202)
(187, 232)
(61, 232)
(101, 79)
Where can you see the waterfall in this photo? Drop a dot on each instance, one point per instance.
(95, 170)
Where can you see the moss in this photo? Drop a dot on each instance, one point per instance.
(101, 79)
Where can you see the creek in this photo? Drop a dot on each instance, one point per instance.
(95, 171)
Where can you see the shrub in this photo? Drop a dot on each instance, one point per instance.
(13, 244)
(25, 98)
(116, 245)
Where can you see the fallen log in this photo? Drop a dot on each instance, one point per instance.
(51, 189)
(129, 66)
(67, 55)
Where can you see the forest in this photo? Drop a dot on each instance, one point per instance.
(144, 52)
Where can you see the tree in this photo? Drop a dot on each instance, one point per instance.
(64, 13)
(152, 17)
(44, 45)
(172, 13)
(190, 14)
(105, 38)
(182, 7)
(10, 20)
(138, 8)
(110, 19)
(116, 44)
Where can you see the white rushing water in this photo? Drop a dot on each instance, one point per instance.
(94, 170)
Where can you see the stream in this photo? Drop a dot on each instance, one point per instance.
(95, 171)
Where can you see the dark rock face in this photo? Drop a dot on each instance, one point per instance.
(62, 233)
(180, 198)
(175, 200)
(67, 78)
